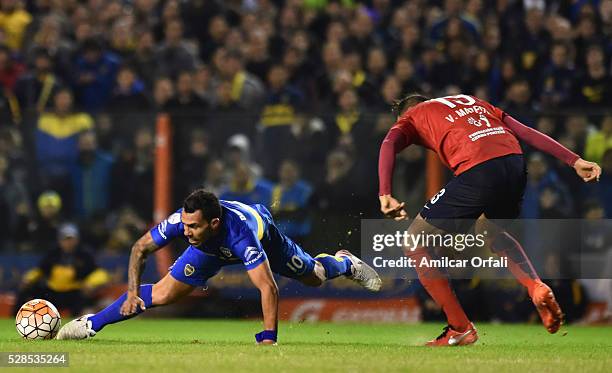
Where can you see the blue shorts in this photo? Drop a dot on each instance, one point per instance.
(286, 258)
(494, 188)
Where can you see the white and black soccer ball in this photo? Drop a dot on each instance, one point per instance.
(38, 319)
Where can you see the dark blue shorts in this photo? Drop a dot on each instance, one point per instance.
(494, 188)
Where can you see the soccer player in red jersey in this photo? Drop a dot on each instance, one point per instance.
(480, 144)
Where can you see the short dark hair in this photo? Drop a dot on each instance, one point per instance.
(204, 201)
(399, 106)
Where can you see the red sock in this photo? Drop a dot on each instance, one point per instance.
(437, 285)
(518, 262)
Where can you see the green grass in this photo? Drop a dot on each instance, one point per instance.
(148, 345)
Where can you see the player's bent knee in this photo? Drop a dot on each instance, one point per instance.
(168, 290)
(316, 277)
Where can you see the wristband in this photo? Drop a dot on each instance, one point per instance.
(266, 335)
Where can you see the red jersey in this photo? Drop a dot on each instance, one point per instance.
(464, 130)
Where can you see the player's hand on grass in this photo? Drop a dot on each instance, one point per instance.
(588, 171)
(266, 337)
(268, 342)
(131, 305)
(392, 208)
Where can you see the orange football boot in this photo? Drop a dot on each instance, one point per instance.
(451, 337)
(547, 306)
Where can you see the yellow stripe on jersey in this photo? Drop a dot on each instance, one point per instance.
(324, 255)
(253, 212)
(258, 219)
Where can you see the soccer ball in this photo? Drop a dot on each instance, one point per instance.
(38, 319)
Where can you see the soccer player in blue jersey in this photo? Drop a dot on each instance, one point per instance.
(221, 233)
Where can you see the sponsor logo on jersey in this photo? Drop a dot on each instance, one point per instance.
(252, 254)
(189, 270)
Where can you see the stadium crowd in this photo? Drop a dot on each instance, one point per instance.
(283, 103)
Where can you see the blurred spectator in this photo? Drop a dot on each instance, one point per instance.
(361, 32)
(186, 101)
(349, 126)
(245, 188)
(279, 114)
(258, 61)
(544, 191)
(122, 40)
(598, 142)
(227, 118)
(534, 42)
(454, 69)
(187, 110)
(338, 199)
(323, 85)
(10, 69)
(143, 59)
(376, 71)
(214, 180)
(91, 177)
(603, 189)
(454, 19)
(126, 227)
(132, 175)
(14, 19)
(247, 89)
(67, 275)
(39, 231)
(404, 72)
(95, 73)
(174, 55)
(191, 170)
(238, 152)
(48, 36)
(35, 89)
(290, 199)
(14, 205)
(129, 93)
(202, 83)
(577, 128)
(57, 139)
(593, 89)
(163, 91)
(587, 35)
(557, 77)
(518, 101)
(217, 32)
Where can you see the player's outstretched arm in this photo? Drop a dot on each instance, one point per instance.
(141, 249)
(262, 278)
(394, 142)
(588, 171)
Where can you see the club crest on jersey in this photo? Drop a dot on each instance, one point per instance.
(225, 251)
(189, 270)
(174, 218)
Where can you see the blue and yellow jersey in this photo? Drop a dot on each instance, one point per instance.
(242, 229)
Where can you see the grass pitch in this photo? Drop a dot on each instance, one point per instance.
(148, 345)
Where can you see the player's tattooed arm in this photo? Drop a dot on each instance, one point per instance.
(141, 249)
